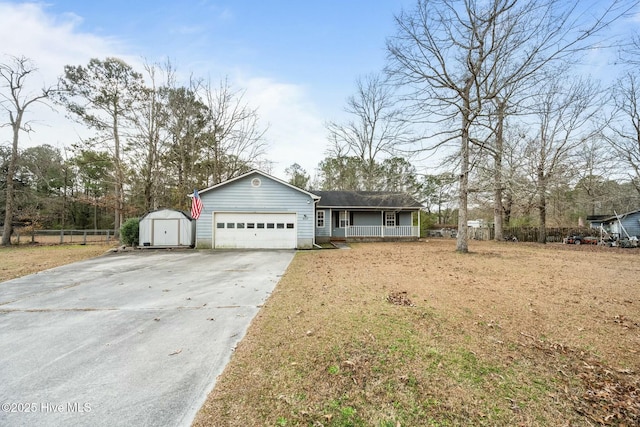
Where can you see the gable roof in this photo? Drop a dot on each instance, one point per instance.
(366, 199)
(266, 175)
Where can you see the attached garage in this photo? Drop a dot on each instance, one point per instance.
(254, 230)
(167, 228)
(256, 211)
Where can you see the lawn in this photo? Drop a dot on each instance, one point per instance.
(17, 261)
(415, 334)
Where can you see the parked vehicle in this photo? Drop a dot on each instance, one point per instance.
(580, 240)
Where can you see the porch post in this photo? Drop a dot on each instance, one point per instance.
(419, 223)
(330, 223)
(347, 223)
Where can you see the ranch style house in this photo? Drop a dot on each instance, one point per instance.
(257, 210)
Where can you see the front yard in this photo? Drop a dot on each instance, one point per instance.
(406, 334)
(18, 261)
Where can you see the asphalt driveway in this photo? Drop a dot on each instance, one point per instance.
(126, 339)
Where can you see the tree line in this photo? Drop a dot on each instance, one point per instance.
(489, 94)
(153, 141)
(497, 87)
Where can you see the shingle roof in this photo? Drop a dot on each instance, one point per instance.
(607, 218)
(365, 199)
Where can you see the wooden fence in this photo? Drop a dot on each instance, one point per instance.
(531, 234)
(52, 237)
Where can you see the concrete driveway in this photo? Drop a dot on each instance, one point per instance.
(126, 339)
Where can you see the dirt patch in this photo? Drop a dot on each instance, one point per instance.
(400, 298)
(391, 334)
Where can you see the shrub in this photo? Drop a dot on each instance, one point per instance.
(130, 232)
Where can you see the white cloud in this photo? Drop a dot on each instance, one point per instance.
(51, 43)
(296, 132)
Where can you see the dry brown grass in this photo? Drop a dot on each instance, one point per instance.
(17, 261)
(510, 334)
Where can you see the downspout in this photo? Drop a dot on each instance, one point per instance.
(315, 223)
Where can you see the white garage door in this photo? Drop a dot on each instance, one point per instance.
(254, 230)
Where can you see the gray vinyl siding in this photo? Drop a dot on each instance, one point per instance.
(326, 230)
(367, 218)
(405, 218)
(271, 196)
(631, 224)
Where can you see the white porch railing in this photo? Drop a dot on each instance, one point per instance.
(381, 231)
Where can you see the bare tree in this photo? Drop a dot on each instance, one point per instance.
(234, 139)
(453, 57)
(624, 131)
(438, 195)
(186, 126)
(377, 129)
(15, 99)
(150, 139)
(594, 169)
(565, 114)
(439, 54)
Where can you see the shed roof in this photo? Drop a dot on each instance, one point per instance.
(366, 199)
(186, 214)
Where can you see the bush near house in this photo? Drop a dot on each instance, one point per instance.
(130, 232)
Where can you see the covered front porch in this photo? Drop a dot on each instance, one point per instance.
(382, 231)
(352, 224)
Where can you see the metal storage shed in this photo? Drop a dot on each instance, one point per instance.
(167, 228)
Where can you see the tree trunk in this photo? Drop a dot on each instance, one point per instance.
(149, 178)
(542, 208)
(462, 240)
(497, 178)
(507, 207)
(118, 172)
(13, 163)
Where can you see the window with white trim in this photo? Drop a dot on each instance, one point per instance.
(344, 219)
(320, 219)
(389, 219)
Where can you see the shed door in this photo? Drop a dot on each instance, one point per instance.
(166, 232)
(255, 230)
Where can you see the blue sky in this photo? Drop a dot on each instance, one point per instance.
(297, 60)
